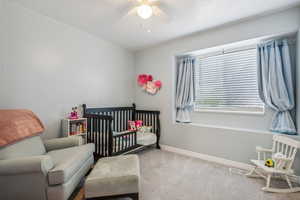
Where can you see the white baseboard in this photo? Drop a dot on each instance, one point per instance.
(222, 161)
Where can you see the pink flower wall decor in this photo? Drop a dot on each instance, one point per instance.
(142, 79)
(148, 84)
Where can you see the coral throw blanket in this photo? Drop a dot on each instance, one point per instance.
(16, 125)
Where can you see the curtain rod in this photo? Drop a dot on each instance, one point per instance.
(221, 52)
(277, 36)
(268, 37)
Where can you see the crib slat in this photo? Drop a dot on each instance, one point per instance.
(94, 133)
(114, 121)
(119, 144)
(122, 143)
(105, 140)
(115, 145)
(127, 142)
(130, 140)
(123, 120)
(88, 130)
(154, 124)
(95, 136)
(126, 120)
(100, 135)
(118, 121)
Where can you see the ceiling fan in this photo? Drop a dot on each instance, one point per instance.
(147, 8)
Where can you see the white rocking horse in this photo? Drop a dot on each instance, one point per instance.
(283, 153)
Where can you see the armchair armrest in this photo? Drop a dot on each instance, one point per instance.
(33, 164)
(61, 143)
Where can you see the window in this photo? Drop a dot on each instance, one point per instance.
(227, 82)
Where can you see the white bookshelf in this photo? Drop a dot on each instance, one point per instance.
(75, 127)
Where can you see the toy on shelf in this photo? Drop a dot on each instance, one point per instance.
(74, 113)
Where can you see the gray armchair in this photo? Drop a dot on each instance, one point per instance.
(43, 170)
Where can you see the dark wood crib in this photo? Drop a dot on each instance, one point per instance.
(106, 128)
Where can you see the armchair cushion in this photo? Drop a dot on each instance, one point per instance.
(67, 162)
(61, 143)
(33, 164)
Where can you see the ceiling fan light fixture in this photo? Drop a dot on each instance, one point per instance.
(145, 11)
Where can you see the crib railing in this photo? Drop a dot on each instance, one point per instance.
(150, 118)
(124, 142)
(99, 132)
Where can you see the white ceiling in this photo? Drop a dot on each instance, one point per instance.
(107, 18)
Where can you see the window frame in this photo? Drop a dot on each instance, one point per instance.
(230, 110)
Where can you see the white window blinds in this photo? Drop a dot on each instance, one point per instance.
(227, 81)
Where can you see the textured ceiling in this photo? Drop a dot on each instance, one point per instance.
(109, 20)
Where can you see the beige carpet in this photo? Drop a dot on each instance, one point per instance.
(169, 176)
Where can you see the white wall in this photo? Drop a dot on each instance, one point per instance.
(231, 144)
(48, 67)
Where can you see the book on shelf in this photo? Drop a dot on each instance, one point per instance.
(77, 128)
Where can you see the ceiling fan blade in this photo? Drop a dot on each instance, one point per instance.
(161, 14)
(132, 11)
(153, 1)
(157, 11)
(119, 3)
(164, 6)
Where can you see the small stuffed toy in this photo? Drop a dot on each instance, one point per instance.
(74, 113)
(131, 125)
(269, 163)
(134, 125)
(277, 161)
(138, 124)
(280, 164)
